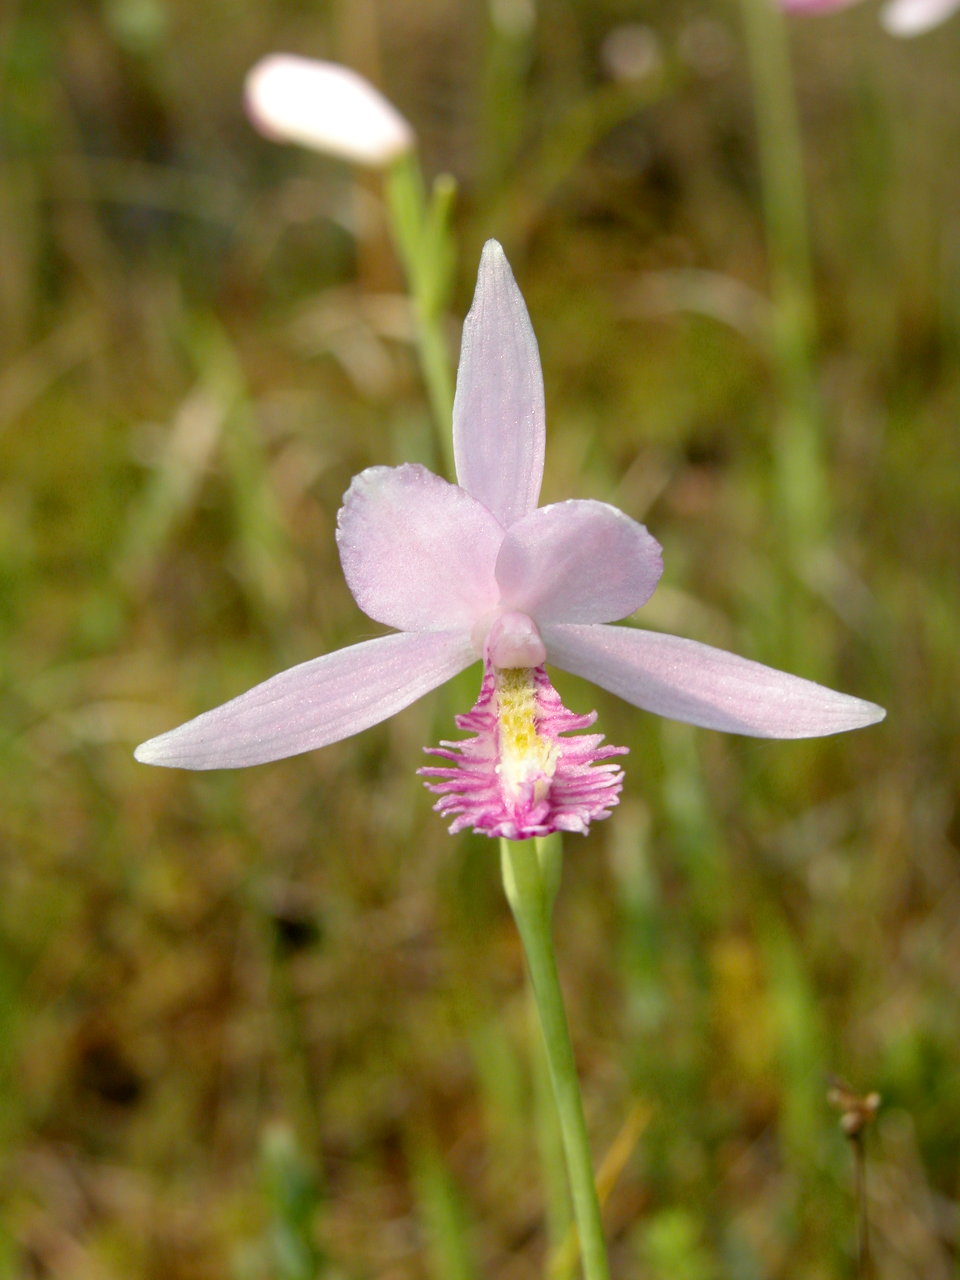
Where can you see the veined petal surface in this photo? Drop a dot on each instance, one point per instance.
(417, 552)
(577, 561)
(685, 680)
(315, 703)
(498, 413)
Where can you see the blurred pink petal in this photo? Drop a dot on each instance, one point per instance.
(914, 17)
(685, 680)
(417, 552)
(326, 107)
(498, 414)
(315, 703)
(578, 561)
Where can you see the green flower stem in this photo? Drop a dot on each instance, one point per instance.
(546, 1123)
(531, 877)
(421, 232)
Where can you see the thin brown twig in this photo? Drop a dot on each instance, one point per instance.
(856, 1113)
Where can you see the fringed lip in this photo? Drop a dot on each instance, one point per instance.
(521, 774)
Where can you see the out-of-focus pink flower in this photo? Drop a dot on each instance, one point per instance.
(900, 17)
(476, 571)
(327, 107)
(913, 17)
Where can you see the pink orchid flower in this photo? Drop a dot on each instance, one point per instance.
(476, 571)
(900, 17)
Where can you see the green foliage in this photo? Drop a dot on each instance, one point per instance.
(289, 1250)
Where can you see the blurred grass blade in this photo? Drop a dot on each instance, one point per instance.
(176, 475)
(441, 1211)
(799, 1042)
(293, 1198)
(215, 421)
(262, 544)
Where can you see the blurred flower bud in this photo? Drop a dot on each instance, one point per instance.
(327, 107)
(913, 17)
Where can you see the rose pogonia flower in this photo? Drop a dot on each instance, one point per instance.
(327, 107)
(900, 17)
(476, 571)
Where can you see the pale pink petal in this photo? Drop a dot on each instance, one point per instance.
(684, 680)
(578, 561)
(498, 415)
(417, 553)
(315, 703)
(914, 17)
(326, 107)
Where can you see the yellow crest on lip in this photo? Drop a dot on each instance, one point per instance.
(525, 755)
(526, 770)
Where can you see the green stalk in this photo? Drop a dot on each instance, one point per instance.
(421, 233)
(556, 1191)
(531, 876)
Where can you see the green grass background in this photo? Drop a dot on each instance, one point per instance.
(271, 1025)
